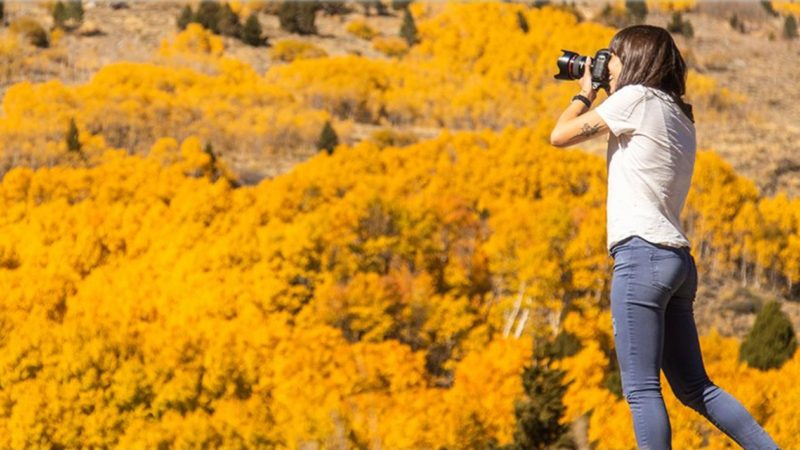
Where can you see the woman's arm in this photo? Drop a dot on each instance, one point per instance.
(577, 123)
(574, 126)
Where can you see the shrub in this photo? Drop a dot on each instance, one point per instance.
(771, 341)
(361, 29)
(288, 50)
(390, 46)
(33, 32)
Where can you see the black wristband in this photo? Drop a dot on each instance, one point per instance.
(585, 100)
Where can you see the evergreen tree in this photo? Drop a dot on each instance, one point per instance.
(2, 10)
(380, 8)
(767, 4)
(186, 17)
(73, 144)
(327, 139)
(771, 341)
(75, 11)
(60, 14)
(208, 14)
(211, 170)
(251, 33)
(539, 412)
(680, 26)
(298, 16)
(637, 10)
(307, 16)
(688, 29)
(398, 5)
(790, 27)
(409, 29)
(68, 15)
(334, 7)
(522, 22)
(228, 22)
(737, 24)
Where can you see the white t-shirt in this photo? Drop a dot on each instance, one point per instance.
(650, 159)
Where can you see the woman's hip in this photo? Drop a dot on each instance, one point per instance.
(643, 265)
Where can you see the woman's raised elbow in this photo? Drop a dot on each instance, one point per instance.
(556, 140)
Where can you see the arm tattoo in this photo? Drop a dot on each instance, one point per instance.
(588, 130)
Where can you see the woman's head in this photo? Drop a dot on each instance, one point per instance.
(647, 55)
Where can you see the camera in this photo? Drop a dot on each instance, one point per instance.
(571, 66)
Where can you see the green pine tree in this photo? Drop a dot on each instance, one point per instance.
(737, 24)
(522, 22)
(637, 10)
(538, 413)
(398, 5)
(771, 341)
(408, 30)
(298, 16)
(208, 13)
(228, 22)
(69, 15)
(186, 17)
(60, 14)
(73, 144)
(334, 7)
(680, 26)
(767, 4)
(790, 27)
(251, 32)
(75, 11)
(328, 140)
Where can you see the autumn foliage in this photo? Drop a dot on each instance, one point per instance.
(382, 296)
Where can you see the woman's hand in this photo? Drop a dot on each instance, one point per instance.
(586, 80)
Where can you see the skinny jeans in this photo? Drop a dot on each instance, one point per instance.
(652, 294)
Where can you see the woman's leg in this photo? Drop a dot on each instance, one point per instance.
(637, 309)
(683, 367)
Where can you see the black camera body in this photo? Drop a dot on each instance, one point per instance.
(571, 66)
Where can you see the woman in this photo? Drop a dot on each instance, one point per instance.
(650, 159)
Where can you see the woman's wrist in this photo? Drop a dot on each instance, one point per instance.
(590, 95)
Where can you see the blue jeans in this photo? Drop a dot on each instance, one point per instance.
(652, 291)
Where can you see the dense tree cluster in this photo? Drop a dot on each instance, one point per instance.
(395, 293)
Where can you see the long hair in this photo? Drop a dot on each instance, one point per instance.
(650, 57)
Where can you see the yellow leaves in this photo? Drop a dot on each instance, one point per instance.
(194, 40)
(390, 46)
(486, 383)
(361, 29)
(585, 372)
(288, 50)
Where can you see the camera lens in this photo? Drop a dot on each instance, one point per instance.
(570, 66)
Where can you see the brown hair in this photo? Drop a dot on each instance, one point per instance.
(650, 57)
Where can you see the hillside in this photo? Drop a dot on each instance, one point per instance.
(759, 139)
(166, 288)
